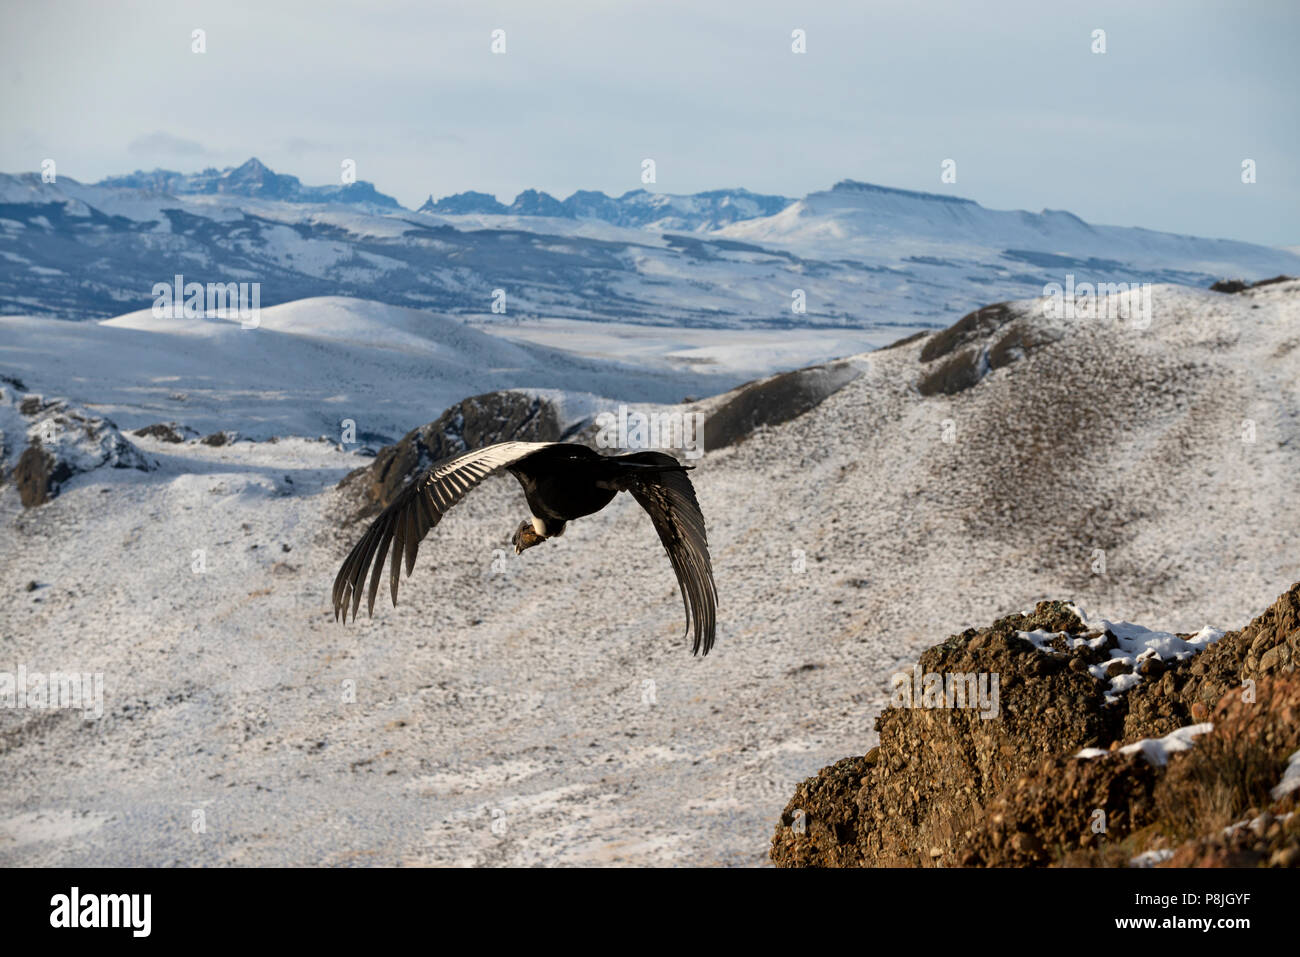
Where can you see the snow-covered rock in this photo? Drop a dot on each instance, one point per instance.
(44, 443)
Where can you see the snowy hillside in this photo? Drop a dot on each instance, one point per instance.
(545, 709)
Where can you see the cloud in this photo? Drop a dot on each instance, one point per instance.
(165, 143)
(298, 145)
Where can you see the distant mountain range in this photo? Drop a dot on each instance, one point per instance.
(252, 179)
(856, 256)
(635, 208)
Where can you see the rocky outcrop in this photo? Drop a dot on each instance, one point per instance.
(776, 399)
(1098, 754)
(169, 432)
(1240, 285)
(970, 328)
(44, 443)
(469, 424)
(957, 358)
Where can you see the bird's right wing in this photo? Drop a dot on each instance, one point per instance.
(408, 518)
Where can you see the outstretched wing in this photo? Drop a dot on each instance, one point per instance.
(415, 510)
(670, 499)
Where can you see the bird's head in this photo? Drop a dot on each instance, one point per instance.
(526, 536)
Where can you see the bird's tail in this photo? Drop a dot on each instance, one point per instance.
(627, 470)
(649, 467)
(649, 462)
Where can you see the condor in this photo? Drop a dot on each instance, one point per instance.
(561, 482)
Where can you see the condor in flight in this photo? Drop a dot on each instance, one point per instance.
(561, 482)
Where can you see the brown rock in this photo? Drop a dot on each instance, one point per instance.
(1011, 792)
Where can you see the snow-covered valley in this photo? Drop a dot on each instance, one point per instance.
(545, 709)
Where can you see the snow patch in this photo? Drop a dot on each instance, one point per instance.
(1157, 750)
(1136, 645)
(1290, 778)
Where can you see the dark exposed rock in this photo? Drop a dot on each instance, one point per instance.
(38, 476)
(1240, 285)
(958, 372)
(1019, 339)
(469, 424)
(1229, 285)
(1012, 791)
(976, 344)
(167, 432)
(1270, 282)
(1232, 772)
(1056, 803)
(218, 439)
(774, 400)
(969, 328)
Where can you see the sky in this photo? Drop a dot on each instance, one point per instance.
(1153, 132)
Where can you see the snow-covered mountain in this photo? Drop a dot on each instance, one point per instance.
(861, 219)
(252, 179)
(856, 256)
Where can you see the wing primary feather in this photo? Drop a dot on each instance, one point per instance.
(412, 537)
(347, 581)
(399, 543)
(428, 515)
(361, 564)
(376, 573)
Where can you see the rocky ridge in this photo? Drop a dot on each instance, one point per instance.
(1183, 764)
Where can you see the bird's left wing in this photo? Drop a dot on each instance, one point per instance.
(408, 518)
(669, 498)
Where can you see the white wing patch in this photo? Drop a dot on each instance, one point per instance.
(408, 518)
(479, 463)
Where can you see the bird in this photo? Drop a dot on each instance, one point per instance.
(562, 481)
